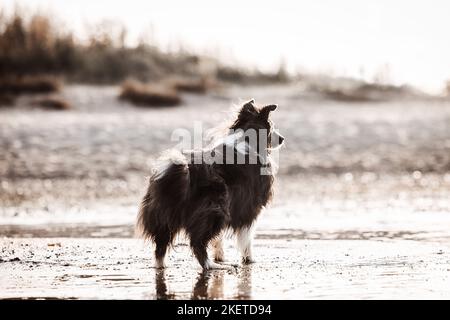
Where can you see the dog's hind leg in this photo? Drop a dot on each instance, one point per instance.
(162, 241)
(244, 243)
(210, 216)
(199, 244)
(202, 230)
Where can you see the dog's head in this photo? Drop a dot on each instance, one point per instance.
(251, 117)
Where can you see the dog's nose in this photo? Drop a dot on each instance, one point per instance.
(278, 139)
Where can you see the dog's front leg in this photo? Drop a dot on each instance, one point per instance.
(218, 248)
(244, 243)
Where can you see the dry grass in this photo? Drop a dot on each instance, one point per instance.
(14, 85)
(36, 44)
(52, 103)
(156, 95)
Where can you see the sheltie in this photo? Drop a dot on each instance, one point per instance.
(205, 192)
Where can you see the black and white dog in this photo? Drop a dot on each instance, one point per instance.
(204, 198)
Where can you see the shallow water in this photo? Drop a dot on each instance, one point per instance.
(361, 208)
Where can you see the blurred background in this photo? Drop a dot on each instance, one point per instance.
(90, 93)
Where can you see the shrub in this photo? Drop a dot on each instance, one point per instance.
(142, 94)
(29, 84)
(52, 103)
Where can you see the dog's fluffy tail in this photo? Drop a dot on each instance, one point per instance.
(169, 182)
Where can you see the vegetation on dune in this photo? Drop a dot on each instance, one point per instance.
(353, 90)
(34, 45)
(35, 55)
(239, 75)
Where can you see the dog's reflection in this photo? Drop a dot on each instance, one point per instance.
(202, 290)
(161, 286)
(209, 284)
(244, 285)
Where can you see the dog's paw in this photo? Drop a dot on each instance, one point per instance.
(217, 266)
(231, 264)
(219, 255)
(247, 260)
(219, 258)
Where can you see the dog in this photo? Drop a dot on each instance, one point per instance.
(206, 198)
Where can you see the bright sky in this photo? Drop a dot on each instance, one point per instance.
(345, 37)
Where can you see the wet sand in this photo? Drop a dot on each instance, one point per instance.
(361, 207)
(295, 269)
(375, 247)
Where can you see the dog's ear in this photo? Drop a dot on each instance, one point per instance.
(248, 109)
(267, 109)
